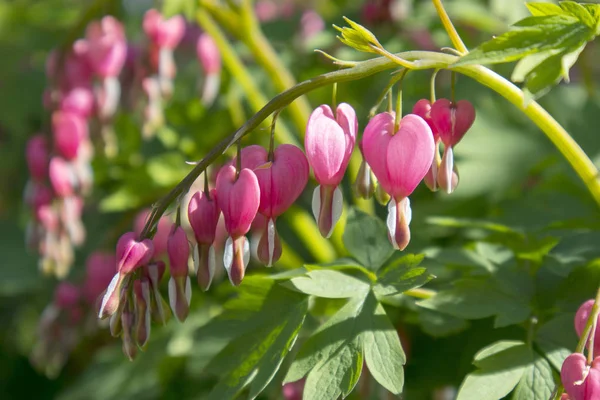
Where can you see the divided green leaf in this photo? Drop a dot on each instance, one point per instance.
(401, 275)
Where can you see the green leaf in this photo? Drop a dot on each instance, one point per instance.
(401, 275)
(382, 348)
(329, 284)
(557, 339)
(479, 298)
(544, 9)
(501, 367)
(253, 359)
(580, 12)
(365, 237)
(331, 358)
(437, 324)
(537, 382)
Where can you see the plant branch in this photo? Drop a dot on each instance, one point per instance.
(450, 29)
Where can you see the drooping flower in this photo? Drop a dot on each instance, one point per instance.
(131, 254)
(581, 381)
(399, 160)
(422, 108)
(239, 199)
(281, 182)
(452, 121)
(210, 60)
(180, 289)
(203, 214)
(329, 142)
(107, 46)
(62, 177)
(70, 131)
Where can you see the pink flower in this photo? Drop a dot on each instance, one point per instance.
(239, 199)
(311, 24)
(180, 290)
(69, 131)
(293, 390)
(162, 231)
(210, 60)
(164, 32)
(281, 182)
(107, 46)
(66, 295)
(79, 101)
(581, 317)
(62, 177)
(37, 156)
(581, 381)
(329, 142)
(100, 268)
(399, 160)
(203, 214)
(422, 108)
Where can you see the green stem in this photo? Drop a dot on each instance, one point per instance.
(422, 60)
(454, 36)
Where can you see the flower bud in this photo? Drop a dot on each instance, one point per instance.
(180, 291)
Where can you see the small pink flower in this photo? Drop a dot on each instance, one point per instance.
(329, 142)
(399, 160)
(210, 60)
(79, 101)
(239, 199)
(107, 46)
(37, 156)
(581, 381)
(161, 236)
(180, 290)
(62, 177)
(66, 295)
(281, 182)
(164, 32)
(69, 130)
(203, 214)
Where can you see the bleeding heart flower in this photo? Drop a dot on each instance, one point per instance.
(210, 60)
(581, 381)
(163, 32)
(107, 46)
(78, 100)
(180, 290)
(203, 214)
(239, 199)
(281, 182)
(329, 142)
(70, 131)
(62, 177)
(399, 160)
(422, 108)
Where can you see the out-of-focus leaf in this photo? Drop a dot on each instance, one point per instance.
(437, 324)
(365, 237)
(557, 339)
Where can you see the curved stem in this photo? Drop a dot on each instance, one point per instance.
(454, 36)
(422, 60)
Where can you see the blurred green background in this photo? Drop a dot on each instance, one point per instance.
(509, 173)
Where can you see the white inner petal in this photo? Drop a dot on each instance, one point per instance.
(109, 291)
(407, 210)
(173, 295)
(196, 257)
(228, 255)
(391, 222)
(212, 264)
(337, 207)
(316, 202)
(271, 240)
(246, 254)
(448, 161)
(188, 290)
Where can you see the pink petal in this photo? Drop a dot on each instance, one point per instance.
(203, 213)
(572, 373)
(178, 249)
(238, 200)
(375, 141)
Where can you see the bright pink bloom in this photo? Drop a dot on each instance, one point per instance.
(452, 120)
(329, 142)
(180, 290)
(164, 32)
(107, 46)
(422, 108)
(79, 101)
(62, 177)
(162, 231)
(100, 268)
(66, 295)
(239, 200)
(133, 253)
(581, 381)
(203, 214)
(399, 160)
(281, 182)
(37, 156)
(581, 317)
(69, 131)
(210, 60)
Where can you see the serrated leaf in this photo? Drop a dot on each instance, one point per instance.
(537, 382)
(365, 237)
(329, 284)
(501, 367)
(253, 359)
(479, 298)
(382, 348)
(401, 275)
(580, 12)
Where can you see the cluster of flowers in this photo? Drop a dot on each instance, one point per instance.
(67, 318)
(59, 165)
(83, 96)
(581, 379)
(257, 187)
